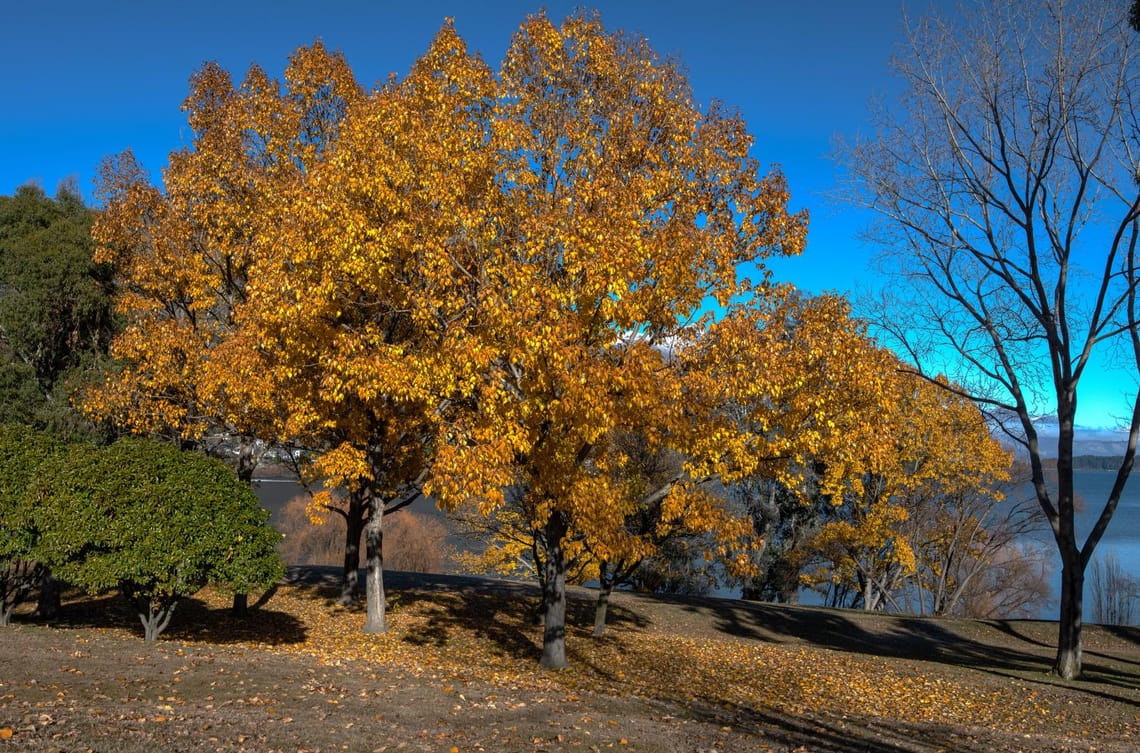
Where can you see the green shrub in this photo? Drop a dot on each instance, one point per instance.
(156, 522)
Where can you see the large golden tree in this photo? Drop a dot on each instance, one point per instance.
(622, 209)
(468, 284)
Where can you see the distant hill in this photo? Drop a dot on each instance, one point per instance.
(1091, 463)
(1101, 444)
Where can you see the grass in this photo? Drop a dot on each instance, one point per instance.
(458, 671)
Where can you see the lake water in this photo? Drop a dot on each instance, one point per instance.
(275, 494)
(1122, 537)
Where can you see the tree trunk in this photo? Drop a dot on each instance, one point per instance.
(1068, 664)
(554, 594)
(155, 621)
(602, 607)
(246, 464)
(247, 460)
(18, 579)
(868, 594)
(354, 528)
(154, 616)
(374, 544)
(49, 606)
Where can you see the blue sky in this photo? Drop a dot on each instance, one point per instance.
(81, 80)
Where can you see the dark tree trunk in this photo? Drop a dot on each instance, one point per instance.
(554, 594)
(48, 607)
(17, 580)
(246, 465)
(374, 543)
(247, 460)
(354, 529)
(610, 575)
(1068, 664)
(538, 614)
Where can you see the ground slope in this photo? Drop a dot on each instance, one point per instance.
(458, 671)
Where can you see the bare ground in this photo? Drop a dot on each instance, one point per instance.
(458, 673)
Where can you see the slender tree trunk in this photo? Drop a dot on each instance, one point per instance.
(354, 528)
(1068, 664)
(554, 595)
(374, 543)
(154, 616)
(17, 580)
(605, 588)
(868, 594)
(602, 608)
(247, 460)
(538, 614)
(247, 463)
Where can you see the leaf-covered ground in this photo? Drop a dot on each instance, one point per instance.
(458, 671)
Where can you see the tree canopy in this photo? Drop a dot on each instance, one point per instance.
(55, 308)
(22, 452)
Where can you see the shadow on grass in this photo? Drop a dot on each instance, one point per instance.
(193, 620)
(1124, 633)
(498, 611)
(910, 638)
(827, 734)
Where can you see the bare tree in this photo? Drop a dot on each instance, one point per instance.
(1115, 593)
(1005, 183)
(306, 543)
(417, 542)
(961, 541)
(1015, 584)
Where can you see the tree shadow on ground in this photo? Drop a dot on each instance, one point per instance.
(915, 638)
(1123, 632)
(828, 734)
(496, 610)
(203, 623)
(193, 620)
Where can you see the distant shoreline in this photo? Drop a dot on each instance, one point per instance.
(1090, 463)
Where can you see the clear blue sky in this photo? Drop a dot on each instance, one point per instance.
(81, 80)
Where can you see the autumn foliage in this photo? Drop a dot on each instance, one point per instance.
(937, 451)
(482, 286)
